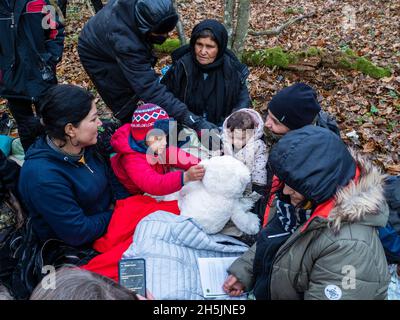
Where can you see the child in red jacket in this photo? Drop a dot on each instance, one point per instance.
(143, 160)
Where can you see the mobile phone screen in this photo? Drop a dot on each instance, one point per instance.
(132, 275)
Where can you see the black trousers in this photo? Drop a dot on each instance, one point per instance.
(121, 100)
(97, 4)
(29, 127)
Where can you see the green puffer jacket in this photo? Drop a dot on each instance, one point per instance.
(336, 255)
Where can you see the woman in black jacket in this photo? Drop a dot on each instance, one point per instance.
(207, 76)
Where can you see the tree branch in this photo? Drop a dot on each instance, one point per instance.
(278, 30)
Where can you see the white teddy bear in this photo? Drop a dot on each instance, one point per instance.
(219, 197)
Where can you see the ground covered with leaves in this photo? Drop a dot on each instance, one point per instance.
(367, 109)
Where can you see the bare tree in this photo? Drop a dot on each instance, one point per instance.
(242, 27)
(229, 14)
(179, 27)
(236, 21)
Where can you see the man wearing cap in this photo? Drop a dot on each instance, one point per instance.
(292, 108)
(115, 48)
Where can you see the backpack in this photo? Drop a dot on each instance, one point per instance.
(390, 234)
(328, 121)
(23, 258)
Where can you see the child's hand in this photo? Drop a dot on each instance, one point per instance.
(232, 286)
(195, 173)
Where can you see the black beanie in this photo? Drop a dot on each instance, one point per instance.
(295, 106)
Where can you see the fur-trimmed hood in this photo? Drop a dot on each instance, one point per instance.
(344, 186)
(361, 201)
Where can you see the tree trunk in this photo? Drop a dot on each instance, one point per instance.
(229, 14)
(179, 27)
(242, 27)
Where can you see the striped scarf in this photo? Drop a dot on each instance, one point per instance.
(291, 217)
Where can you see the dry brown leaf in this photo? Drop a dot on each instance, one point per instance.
(393, 169)
(369, 147)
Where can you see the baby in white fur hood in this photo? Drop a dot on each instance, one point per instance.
(242, 139)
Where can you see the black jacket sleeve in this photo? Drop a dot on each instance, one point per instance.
(243, 100)
(134, 60)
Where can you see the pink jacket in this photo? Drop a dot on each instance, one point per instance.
(141, 173)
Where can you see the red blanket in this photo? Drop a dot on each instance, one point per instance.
(127, 214)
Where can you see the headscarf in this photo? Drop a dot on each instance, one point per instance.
(208, 95)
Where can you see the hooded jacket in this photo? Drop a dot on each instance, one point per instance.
(254, 154)
(336, 254)
(66, 199)
(118, 57)
(185, 78)
(140, 172)
(28, 52)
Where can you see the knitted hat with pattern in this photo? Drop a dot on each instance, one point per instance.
(144, 118)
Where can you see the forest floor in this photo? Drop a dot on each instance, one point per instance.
(366, 107)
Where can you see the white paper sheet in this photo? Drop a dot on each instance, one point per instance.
(213, 272)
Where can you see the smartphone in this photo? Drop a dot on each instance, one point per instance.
(132, 275)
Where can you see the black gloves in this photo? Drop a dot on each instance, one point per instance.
(197, 123)
(208, 133)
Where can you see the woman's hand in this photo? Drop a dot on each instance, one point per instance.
(232, 286)
(194, 173)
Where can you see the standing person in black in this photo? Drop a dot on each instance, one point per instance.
(115, 48)
(31, 45)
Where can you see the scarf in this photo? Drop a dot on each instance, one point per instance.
(291, 217)
(286, 220)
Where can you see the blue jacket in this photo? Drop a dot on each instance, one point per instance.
(65, 199)
(30, 47)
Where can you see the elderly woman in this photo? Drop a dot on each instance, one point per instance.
(320, 240)
(206, 76)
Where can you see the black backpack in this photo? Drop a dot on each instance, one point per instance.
(23, 258)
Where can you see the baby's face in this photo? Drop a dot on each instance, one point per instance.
(240, 137)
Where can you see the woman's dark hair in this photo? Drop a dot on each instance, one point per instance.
(240, 120)
(63, 104)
